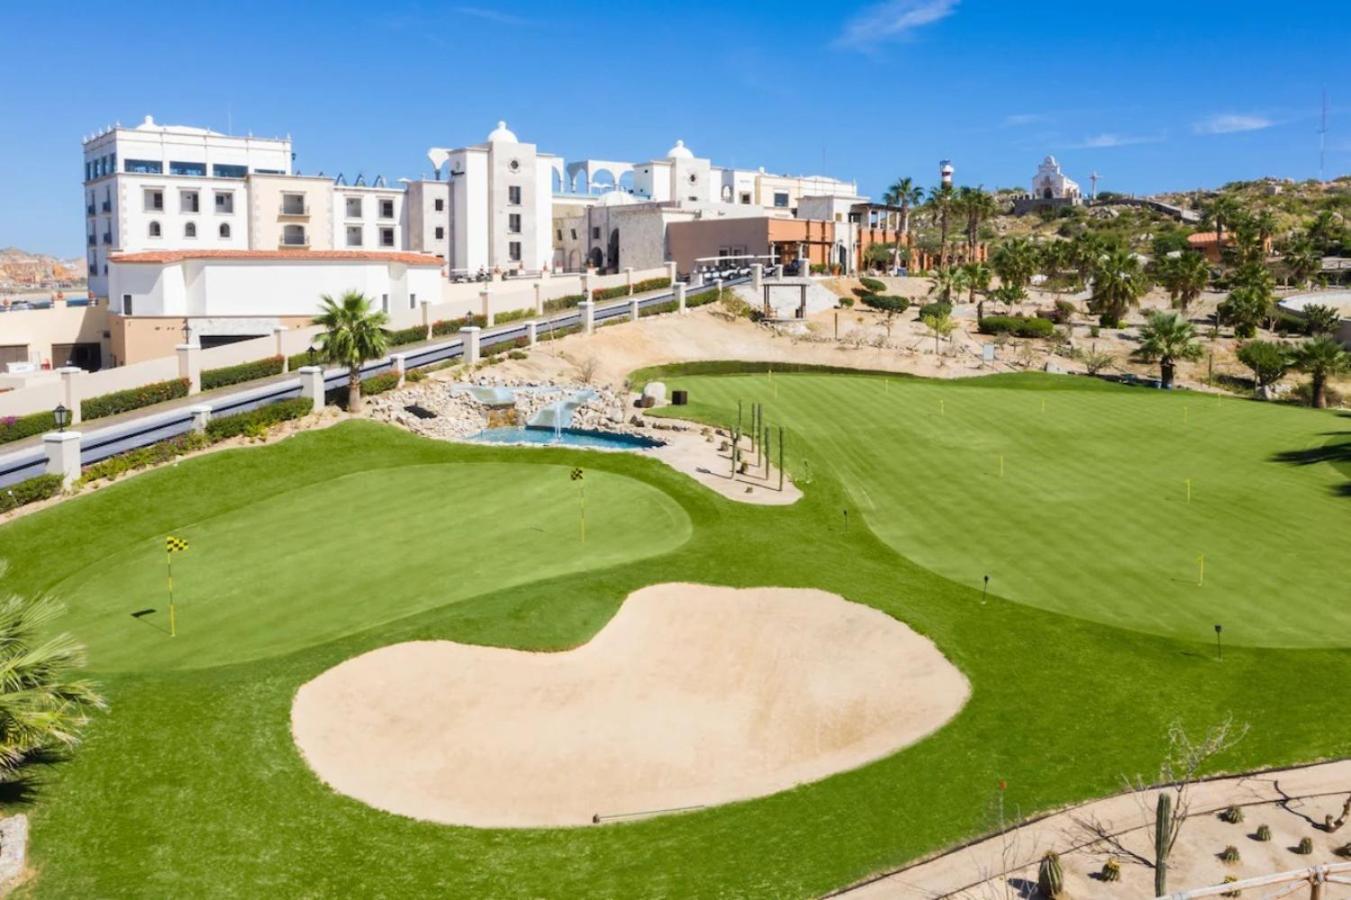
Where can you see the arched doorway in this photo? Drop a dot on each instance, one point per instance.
(596, 258)
(612, 254)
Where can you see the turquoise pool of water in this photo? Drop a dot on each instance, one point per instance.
(568, 437)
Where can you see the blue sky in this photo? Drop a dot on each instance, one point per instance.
(1153, 95)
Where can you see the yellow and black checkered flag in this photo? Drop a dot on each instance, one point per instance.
(175, 544)
(576, 474)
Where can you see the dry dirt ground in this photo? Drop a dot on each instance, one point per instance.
(692, 695)
(1289, 802)
(865, 339)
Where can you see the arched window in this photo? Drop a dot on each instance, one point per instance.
(225, 229)
(190, 229)
(154, 229)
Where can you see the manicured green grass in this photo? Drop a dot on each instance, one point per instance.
(425, 536)
(191, 785)
(1090, 516)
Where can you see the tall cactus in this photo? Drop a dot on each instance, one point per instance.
(1050, 878)
(1162, 822)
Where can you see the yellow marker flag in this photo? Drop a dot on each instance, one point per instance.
(172, 545)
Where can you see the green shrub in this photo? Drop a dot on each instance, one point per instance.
(246, 422)
(1019, 326)
(558, 304)
(708, 296)
(1263, 833)
(1233, 815)
(622, 290)
(413, 376)
(143, 457)
(1305, 846)
(818, 268)
(658, 309)
(651, 284)
(249, 371)
(518, 354)
(400, 336)
(549, 334)
(848, 302)
(872, 285)
(13, 428)
(297, 360)
(444, 327)
(1230, 855)
(514, 315)
(935, 310)
(378, 384)
(134, 398)
(30, 490)
(886, 302)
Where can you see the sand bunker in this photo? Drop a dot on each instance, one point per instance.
(691, 696)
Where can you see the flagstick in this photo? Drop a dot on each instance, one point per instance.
(173, 625)
(1200, 582)
(1189, 490)
(581, 493)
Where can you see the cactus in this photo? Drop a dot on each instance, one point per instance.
(1111, 870)
(1305, 846)
(1050, 879)
(1263, 833)
(1162, 815)
(1344, 851)
(1230, 879)
(1230, 855)
(1233, 815)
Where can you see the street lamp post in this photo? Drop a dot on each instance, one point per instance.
(313, 354)
(61, 415)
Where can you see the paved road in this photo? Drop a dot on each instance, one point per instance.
(138, 430)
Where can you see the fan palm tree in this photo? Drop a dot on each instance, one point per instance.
(1222, 212)
(1302, 260)
(1167, 338)
(1184, 276)
(905, 194)
(978, 206)
(1324, 230)
(976, 276)
(1320, 319)
(1118, 284)
(1015, 262)
(42, 708)
(1321, 358)
(946, 282)
(940, 205)
(353, 333)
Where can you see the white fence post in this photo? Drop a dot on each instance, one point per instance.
(312, 386)
(628, 278)
(190, 366)
(277, 332)
(757, 276)
(532, 332)
(680, 298)
(588, 311)
(634, 312)
(671, 272)
(539, 299)
(486, 299)
(469, 336)
(63, 455)
(70, 390)
(201, 416)
(400, 362)
(427, 317)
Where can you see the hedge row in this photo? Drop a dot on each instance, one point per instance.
(1019, 326)
(400, 336)
(622, 290)
(658, 309)
(29, 491)
(258, 420)
(378, 384)
(444, 327)
(249, 371)
(13, 428)
(549, 334)
(296, 360)
(886, 302)
(142, 457)
(558, 304)
(134, 398)
(514, 315)
(706, 297)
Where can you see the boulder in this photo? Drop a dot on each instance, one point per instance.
(654, 391)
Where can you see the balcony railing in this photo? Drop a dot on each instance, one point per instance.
(296, 243)
(295, 209)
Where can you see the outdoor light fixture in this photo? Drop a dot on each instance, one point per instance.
(312, 353)
(187, 332)
(62, 417)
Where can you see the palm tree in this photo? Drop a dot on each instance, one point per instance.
(978, 206)
(977, 277)
(946, 282)
(1324, 230)
(1184, 276)
(1321, 358)
(1320, 319)
(1167, 337)
(905, 194)
(1302, 260)
(42, 708)
(352, 334)
(1265, 224)
(1222, 212)
(1015, 262)
(1118, 284)
(940, 204)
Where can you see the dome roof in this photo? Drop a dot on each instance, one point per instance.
(501, 133)
(615, 198)
(679, 151)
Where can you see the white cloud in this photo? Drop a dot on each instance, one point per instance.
(891, 20)
(1108, 139)
(1018, 119)
(1230, 123)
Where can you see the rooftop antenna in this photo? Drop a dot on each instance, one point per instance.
(1323, 136)
(1093, 179)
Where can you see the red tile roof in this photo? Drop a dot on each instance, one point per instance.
(1207, 237)
(318, 256)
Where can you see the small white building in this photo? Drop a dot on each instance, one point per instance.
(1052, 184)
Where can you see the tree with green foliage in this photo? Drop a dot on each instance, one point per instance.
(946, 282)
(1302, 260)
(42, 707)
(353, 333)
(1118, 284)
(1320, 319)
(1015, 262)
(1221, 213)
(1251, 301)
(905, 194)
(1184, 276)
(1326, 231)
(939, 325)
(1321, 358)
(1008, 294)
(977, 206)
(1268, 360)
(976, 278)
(1167, 338)
(879, 256)
(940, 204)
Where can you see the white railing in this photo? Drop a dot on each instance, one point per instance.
(1286, 883)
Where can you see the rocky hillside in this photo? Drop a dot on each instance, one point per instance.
(20, 269)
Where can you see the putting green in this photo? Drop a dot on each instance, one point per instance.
(1076, 500)
(312, 564)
